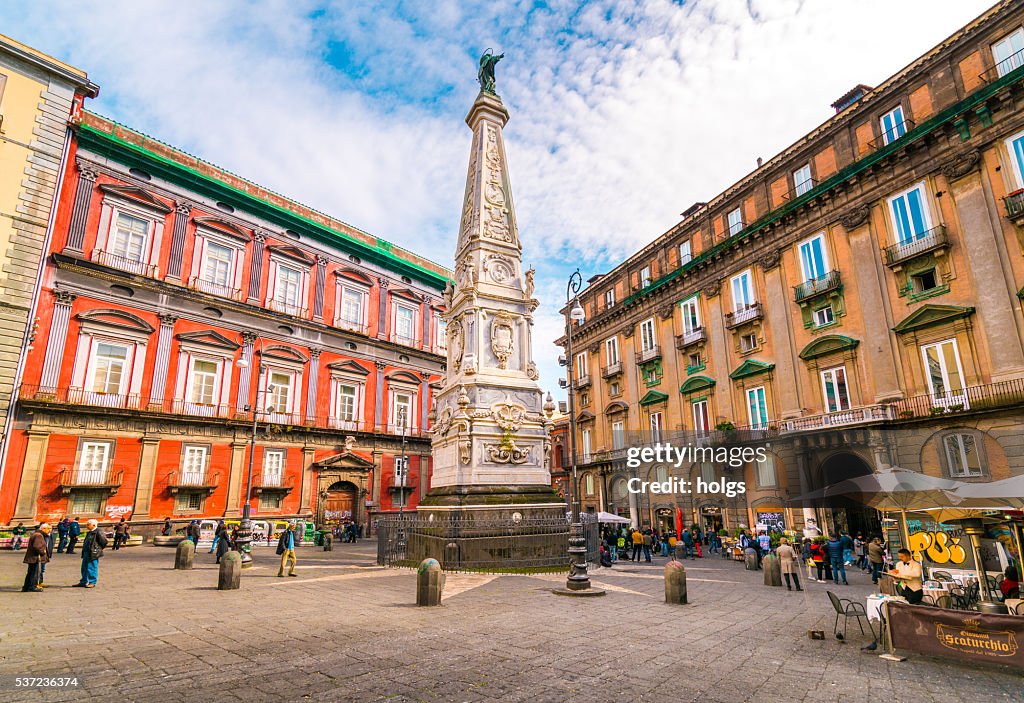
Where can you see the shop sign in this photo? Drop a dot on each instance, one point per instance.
(958, 634)
(774, 521)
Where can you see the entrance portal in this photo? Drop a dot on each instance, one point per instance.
(848, 513)
(340, 503)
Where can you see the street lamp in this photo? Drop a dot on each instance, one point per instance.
(403, 468)
(578, 581)
(244, 541)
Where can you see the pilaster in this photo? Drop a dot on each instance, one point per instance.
(238, 468)
(31, 475)
(147, 474)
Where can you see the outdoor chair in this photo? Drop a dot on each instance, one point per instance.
(846, 609)
(941, 576)
(943, 601)
(959, 596)
(1019, 609)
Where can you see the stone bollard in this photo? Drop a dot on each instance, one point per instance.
(429, 583)
(184, 553)
(675, 583)
(772, 566)
(750, 559)
(451, 555)
(328, 542)
(679, 550)
(230, 576)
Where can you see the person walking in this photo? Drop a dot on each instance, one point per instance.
(787, 561)
(714, 543)
(858, 551)
(119, 534)
(818, 557)
(648, 539)
(222, 540)
(166, 529)
(637, 539)
(835, 550)
(63, 528)
(92, 549)
(19, 536)
(805, 554)
(687, 544)
(74, 530)
(286, 548)
(221, 530)
(194, 532)
(668, 546)
(876, 558)
(847, 542)
(51, 536)
(764, 544)
(35, 554)
(620, 544)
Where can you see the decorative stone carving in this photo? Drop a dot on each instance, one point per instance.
(628, 331)
(770, 260)
(449, 294)
(666, 312)
(502, 338)
(350, 443)
(506, 453)
(961, 164)
(509, 417)
(87, 173)
(183, 208)
(855, 217)
(499, 268)
(456, 344)
(384, 283)
(713, 288)
(64, 297)
(531, 371)
(168, 320)
(528, 288)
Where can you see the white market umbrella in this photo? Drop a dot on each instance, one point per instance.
(608, 517)
(1008, 493)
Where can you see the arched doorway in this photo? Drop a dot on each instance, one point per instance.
(848, 512)
(340, 502)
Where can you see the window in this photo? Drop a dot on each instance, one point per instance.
(609, 297)
(271, 501)
(193, 466)
(701, 417)
(742, 292)
(218, 265)
(748, 343)
(962, 456)
(691, 315)
(735, 222)
(589, 484)
(1008, 53)
(685, 253)
(405, 323)
(585, 442)
(656, 427)
(288, 289)
(757, 407)
(824, 316)
(707, 472)
(835, 390)
(273, 467)
(893, 125)
(651, 376)
(910, 215)
(661, 474)
(401, 470)
(613, 389)
(618, 434)
(129, 238)
(813, 262)
(402, 405)
(645, 276)
(582, 368)
(188, 502)
(766, 471)
(1015, 145)
(611, 350)
(924, 281)
(943, 372)
(108, 368)
(585, 399)
(802, 180)
(203, 382)
(694, 362)
(92, 462)
(86, 502)
(441, 331)
(351, 308)
(648, 342)
(346, 402)
(278, 393)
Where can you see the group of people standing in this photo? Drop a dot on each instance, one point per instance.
(632, 543)
(40, 548)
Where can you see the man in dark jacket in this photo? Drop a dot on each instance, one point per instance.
(92, 549)
(74, 529)
(834, 547)
(35, 554)
(286, 549)
(194, 532)
(63, 528)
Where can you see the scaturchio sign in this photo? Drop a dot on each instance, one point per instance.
(958, 634)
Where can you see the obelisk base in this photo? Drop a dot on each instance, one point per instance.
(493, 503)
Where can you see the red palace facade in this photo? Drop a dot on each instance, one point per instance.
(178, 301)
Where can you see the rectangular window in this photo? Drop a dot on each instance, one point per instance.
(108, 372)
(962, 456)
(217, 265)
(273, 467)
(742, 292)
(757, 407)
(835, 390)
(685, 253)
(585, 442)
(748, 343)
(346, 401)
(352, 307)
(129, 238)
(609, 297)
(707, 472)
(893, 125)
(288, 288)
(944, 373)
(910, 215)
(92, 462)
(645, 276)
(279, 392)
(405, 323)
(802, 180)
(1015, 145)
(193, 466)
(611, 350)
(188, 502)
(656, 426)
(401, 470)
(694, 362)
(402, 410)
(1008, 53)
(584, 399)
(86, 502)
(766, 472)
(648, 341)
(442, 333)
(813, 261)
(613, 389)
(735, 222)
(691, 315)
(701, 417)
(203, 381)
(824, 316)
(618, 434)
(582, 368)
(589, 484)
(271, 501)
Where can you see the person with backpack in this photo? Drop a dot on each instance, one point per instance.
(687, 544)
(63, 527)
(834, 549)
(74, 530)
(92, 549)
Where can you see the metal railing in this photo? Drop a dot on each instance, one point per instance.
(970, 399)
(280, 482)
(351, 325)
(205, 480)
(747, 314)
(471, 544)
(203, 286)
(71, 478)
(78, 396)
(404, 341)
(817, 286)
(1008, 65)
(867, 414)
(611, 370)
(581, 382)
(935, 238)
(1014, 203)
(688, 339)
(293, 309)
(647, 355)
(178, 406)
(123, 263)
(797, 190)
(891, 135)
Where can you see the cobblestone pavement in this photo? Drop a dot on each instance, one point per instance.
(346, 630)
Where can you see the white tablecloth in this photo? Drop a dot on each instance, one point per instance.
(874, 603)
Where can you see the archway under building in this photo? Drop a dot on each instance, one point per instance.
(847, 513)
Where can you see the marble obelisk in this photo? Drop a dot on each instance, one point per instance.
(491, 429)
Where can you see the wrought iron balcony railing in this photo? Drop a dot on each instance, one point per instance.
(344, 323)
(971, 399)
(273, 483)
(817, 286)
(1008, 65)
(1014, 203)
(293, 309)
(203, 286)
(933, 239)
(123, 263)
(611, 370)
(581, 382)
(688, 339)
(108, 479)
(648, 355)
(747, 314)
(204, 480)
(891, 135)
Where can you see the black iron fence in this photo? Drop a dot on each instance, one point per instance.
(525, 545)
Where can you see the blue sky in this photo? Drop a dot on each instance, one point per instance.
(624, 112)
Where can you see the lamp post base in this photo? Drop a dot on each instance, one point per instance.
(578, 582)
(244, 541)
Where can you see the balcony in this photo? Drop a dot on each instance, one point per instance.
(78, 396)
(817, 286)
(971, 399)
(293, 309)
(581, 382)
(611, 370)
(1008, 65)
(869, 414)
(178, 406)
(932, 240)
(344, 323)
(1014, 203)
(273, 484)
(203, 481)
(204, 286)
(404, 341)
(122, 263)
(648, 355)
(688, 339)
(892, 135)
(795, 192)
(107, 479)
(744, 315)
